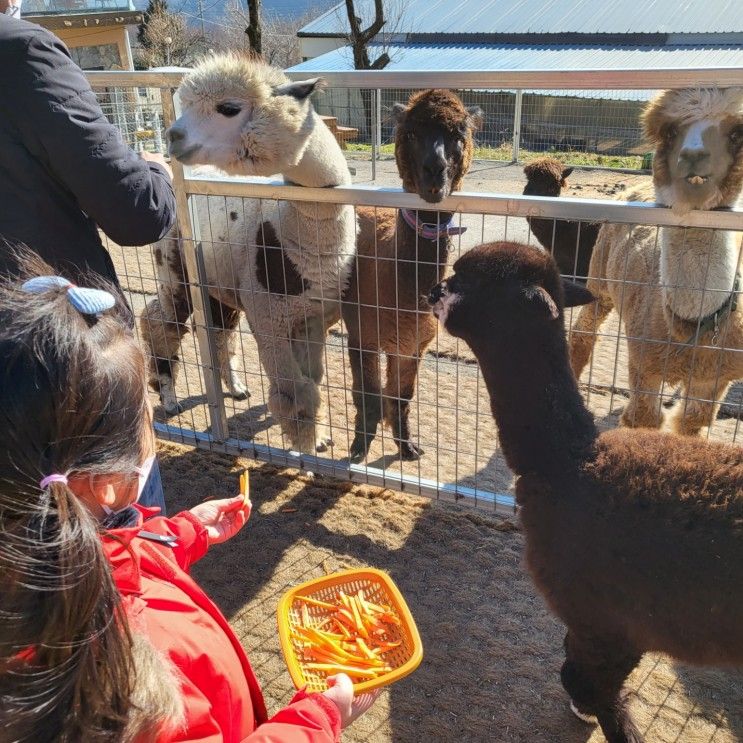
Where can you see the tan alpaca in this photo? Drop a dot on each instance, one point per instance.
(283, 266)
(677, 290)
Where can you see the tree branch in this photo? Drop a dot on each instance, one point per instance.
(360, 38)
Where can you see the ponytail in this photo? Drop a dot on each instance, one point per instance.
(71, 662)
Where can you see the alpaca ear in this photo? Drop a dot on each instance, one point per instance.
(301, 89)
(540, 296)
(575, 294)
(475, 117)
(398, 112)
(566, 172)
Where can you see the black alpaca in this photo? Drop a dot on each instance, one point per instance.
(571, 243)
(635, 538)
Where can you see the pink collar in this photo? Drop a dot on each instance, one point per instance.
(428, 230)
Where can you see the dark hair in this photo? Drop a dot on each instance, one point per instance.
(72, 398)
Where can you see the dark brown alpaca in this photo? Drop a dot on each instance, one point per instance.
(635, 538)
(399, 257)
(571, 243)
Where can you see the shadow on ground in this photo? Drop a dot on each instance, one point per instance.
(492, 650)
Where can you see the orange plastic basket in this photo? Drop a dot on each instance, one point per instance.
(378, 588)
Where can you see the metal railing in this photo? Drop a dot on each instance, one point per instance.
(506, 208)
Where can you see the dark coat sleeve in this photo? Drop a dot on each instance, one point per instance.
(131, 200)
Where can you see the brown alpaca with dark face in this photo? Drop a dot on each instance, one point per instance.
(634, 538)
(571, 243)
(398, 260)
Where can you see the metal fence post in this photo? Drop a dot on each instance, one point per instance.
(193, 254)
(374, 127)
(517, 126)
(158, 132)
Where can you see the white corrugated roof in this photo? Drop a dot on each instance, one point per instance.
(476, 57)
(542, 17)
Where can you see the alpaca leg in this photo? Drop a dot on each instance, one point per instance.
(593, 674)
(366, 399)
(644, 407)
(226, 321)
(402, 372)
(163, 325)
(583, 333)
(309, 348)
(698, 407)
(293, 398)
(308, 344)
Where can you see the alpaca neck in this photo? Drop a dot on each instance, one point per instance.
(323, 163)
(429, 253)
(430, 216)
(697, 269)
(543, 424)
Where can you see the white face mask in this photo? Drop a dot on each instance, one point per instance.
(143, 474)
(14, 9)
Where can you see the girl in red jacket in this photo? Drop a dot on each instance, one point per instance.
(104, 636)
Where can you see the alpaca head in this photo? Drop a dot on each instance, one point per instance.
(698, 139)
(433, 142)
(242, 116)
(503, 289)
(545, 177)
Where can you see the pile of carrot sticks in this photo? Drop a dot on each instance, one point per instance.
(349, 638)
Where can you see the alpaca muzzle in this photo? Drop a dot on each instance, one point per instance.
(436, 294)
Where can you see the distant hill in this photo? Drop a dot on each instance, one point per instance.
(214, 9)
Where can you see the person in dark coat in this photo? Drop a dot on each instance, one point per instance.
(65, 171)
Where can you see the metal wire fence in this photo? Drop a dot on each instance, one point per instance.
(449, 415)
(584, 127)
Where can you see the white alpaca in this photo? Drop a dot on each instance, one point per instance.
(284, 266)
(679, 294)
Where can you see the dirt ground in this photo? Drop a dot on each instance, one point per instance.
(493, 652)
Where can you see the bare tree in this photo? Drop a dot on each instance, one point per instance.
(166, 39)
(280, 45)
(253, 29)
(360, 38)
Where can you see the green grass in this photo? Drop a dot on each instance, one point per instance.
(630, 162)
(385, 149)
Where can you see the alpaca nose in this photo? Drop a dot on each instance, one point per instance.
(175, 135)
(435, 168)
(694, 156)
(435, 294)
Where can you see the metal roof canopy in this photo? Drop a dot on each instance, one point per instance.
(621, 73)
(541, 17)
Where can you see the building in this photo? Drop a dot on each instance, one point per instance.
(533, 35)
(95, 31)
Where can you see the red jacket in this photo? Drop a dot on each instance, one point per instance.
(223, 701)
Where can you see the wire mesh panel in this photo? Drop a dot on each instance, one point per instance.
(594, 128)
(137, 111)
(343, 373)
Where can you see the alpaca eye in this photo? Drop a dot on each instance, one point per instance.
(671, 132)
(228, 109)
(736, 135)
(410, 136)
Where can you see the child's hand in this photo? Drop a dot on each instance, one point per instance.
(223, 518)
(341, 694)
